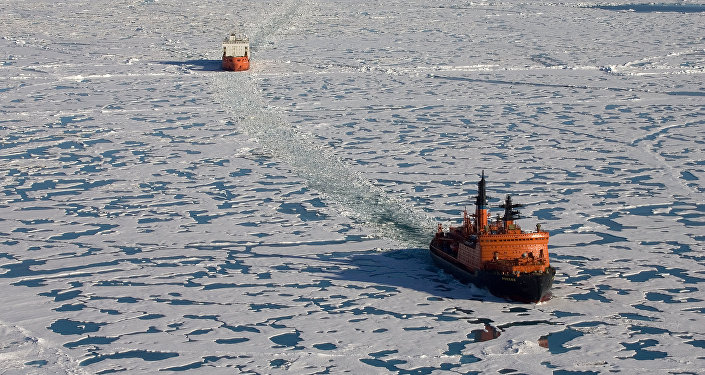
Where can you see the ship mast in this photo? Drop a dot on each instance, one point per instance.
(481, 206)
(510, 214)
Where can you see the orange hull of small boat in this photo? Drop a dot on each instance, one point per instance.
(236, 63)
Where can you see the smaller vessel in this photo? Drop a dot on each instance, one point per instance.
(496, 254)
(236, 53)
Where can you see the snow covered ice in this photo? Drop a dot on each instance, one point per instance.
(158, 214)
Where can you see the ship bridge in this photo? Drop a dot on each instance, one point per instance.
(236, 46)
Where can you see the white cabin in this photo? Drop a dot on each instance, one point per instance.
(236, 46)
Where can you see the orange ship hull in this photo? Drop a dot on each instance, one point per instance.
(236, 64)
(521, 287)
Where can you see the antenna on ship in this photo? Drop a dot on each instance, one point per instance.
(481, 199)
(510, 214)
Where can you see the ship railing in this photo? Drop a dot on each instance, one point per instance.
(236, 38)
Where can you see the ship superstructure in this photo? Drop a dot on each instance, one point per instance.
(496, 254)
(236, 53)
